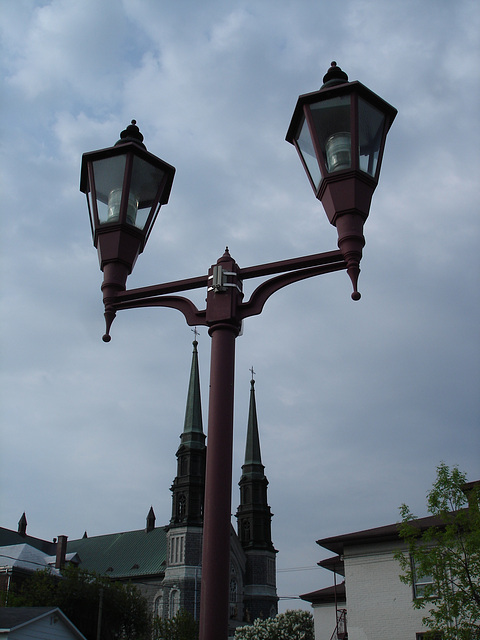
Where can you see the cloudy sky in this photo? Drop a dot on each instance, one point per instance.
(357, 401)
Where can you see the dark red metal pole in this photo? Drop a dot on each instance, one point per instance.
(214, 604)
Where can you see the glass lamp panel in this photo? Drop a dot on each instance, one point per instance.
(144, 185)
(108, 175)
(331, 119)
(305, 145)
(371, 122)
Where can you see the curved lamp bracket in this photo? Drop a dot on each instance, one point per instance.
(261, 294)
(192, 315)
(226, 304)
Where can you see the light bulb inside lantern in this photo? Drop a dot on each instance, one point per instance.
(337, 149)
(114, 201)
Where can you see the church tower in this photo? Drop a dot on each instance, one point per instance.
(184, 537)
(254, 526)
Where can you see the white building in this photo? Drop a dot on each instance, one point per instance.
(371, 603)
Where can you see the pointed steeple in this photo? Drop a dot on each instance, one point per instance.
(22, 525)
(189, 484)
(193, 413)
(254, 515)
(254, 525)
(150, 521)
(252, 448)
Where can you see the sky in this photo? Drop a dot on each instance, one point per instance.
(358, 402)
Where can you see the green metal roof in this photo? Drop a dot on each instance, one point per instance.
(123, 555)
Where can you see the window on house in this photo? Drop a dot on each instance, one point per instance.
(420, 582)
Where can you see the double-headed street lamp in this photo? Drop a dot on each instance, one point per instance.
(339, 133)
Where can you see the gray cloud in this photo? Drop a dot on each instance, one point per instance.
(357, 402)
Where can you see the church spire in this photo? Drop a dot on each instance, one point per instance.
(193, 412)
(254, 515)
(252, 447)
(189, 485)
(254, 525)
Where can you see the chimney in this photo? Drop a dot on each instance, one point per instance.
(61, 552)
(22, 525)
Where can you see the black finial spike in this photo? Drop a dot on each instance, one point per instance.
(109, 314)
(131, 134)
(334, 76)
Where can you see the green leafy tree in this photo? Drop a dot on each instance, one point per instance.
(180, 627)
(446, 556)
(81, 595)
(291, 625)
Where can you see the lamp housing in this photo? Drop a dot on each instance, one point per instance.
(125, 187)
(339, 133)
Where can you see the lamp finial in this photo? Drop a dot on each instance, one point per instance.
(131, 134)
(334, 76)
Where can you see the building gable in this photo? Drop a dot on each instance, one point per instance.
(41, 623)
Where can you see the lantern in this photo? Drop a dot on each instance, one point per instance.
(339, 133)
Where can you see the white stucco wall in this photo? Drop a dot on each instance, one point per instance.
(324, 620)
(379, 605)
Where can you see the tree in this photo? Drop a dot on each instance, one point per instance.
(445, 557)
(81, 594)
(181, 627)
(291, 625)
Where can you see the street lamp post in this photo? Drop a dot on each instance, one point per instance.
(339, 132)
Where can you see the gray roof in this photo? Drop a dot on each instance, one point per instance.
(12, 618)
(328, 595)
(387, 533)
(9, 537)
(24, 556)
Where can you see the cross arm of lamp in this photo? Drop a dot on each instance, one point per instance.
(292, 270)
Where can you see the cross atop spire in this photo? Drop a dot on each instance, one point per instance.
(253, 373)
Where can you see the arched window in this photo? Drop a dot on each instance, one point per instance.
(233, 597)
(174, 602)
(246, 530)
(181, 504)
(158, 606)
